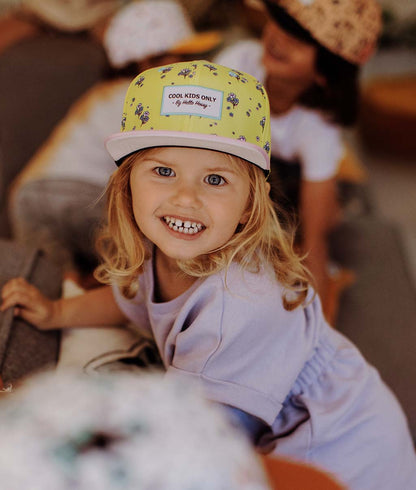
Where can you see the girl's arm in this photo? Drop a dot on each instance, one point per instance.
(96, 307)
(318, 214)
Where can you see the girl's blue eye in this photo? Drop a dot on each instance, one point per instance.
(214, 179)
(164, 171)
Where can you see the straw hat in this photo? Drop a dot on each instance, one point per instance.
(348, 28)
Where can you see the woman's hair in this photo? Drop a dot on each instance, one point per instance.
(339, 97)
(262, 239)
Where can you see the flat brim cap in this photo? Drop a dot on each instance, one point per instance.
(195, 104)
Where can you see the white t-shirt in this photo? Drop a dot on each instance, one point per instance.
(302, 134)
(75, 150)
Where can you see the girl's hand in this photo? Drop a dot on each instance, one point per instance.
(29, 303)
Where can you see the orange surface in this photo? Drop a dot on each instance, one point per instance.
(393, 95)
(289, 475)
(388, 115)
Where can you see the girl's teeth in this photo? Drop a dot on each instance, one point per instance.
(186, 227)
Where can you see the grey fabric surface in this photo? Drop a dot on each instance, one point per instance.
(378, 312)
(23, 348)
(61, 217)
(15, 264)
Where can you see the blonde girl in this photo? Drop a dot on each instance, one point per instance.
(197, 257)
(125, 249)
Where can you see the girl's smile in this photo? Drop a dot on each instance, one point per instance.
(183, 226)
(188, 201)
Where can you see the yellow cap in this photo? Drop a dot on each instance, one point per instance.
(195, 104)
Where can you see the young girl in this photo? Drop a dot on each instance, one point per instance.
(196, 255)
(309, 58)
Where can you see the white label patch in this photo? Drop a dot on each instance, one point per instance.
(191, 100)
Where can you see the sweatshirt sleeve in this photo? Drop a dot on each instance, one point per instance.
(244, 347)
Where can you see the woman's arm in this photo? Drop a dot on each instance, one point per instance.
(97, 307)
(318, 214)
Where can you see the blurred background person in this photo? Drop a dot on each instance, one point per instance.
(309, 57)
(56, 201)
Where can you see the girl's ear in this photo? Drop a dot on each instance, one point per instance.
(268, 187)
(245, 216)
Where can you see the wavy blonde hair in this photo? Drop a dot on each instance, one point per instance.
(262, 239)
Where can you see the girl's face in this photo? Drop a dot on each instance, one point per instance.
(188, 201)
(287, 58)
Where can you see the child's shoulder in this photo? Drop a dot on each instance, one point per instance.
(238, 284)
(240, 290)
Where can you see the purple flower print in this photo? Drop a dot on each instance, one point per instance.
(185, 72)
(139, 110)
(139, 81)
(145, 117)
(232, 98)
(238, 75)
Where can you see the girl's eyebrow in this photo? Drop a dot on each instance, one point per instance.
(222, 169)
(155, 160)
(229, 169)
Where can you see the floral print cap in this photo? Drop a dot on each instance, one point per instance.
(348, 28)
(195, 104)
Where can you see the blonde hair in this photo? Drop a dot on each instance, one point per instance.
(262, 239)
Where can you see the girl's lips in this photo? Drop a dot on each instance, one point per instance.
(185, 227)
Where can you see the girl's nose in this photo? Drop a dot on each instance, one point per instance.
(186, 195)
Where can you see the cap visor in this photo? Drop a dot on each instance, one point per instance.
(121, 145)
(199, 43)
